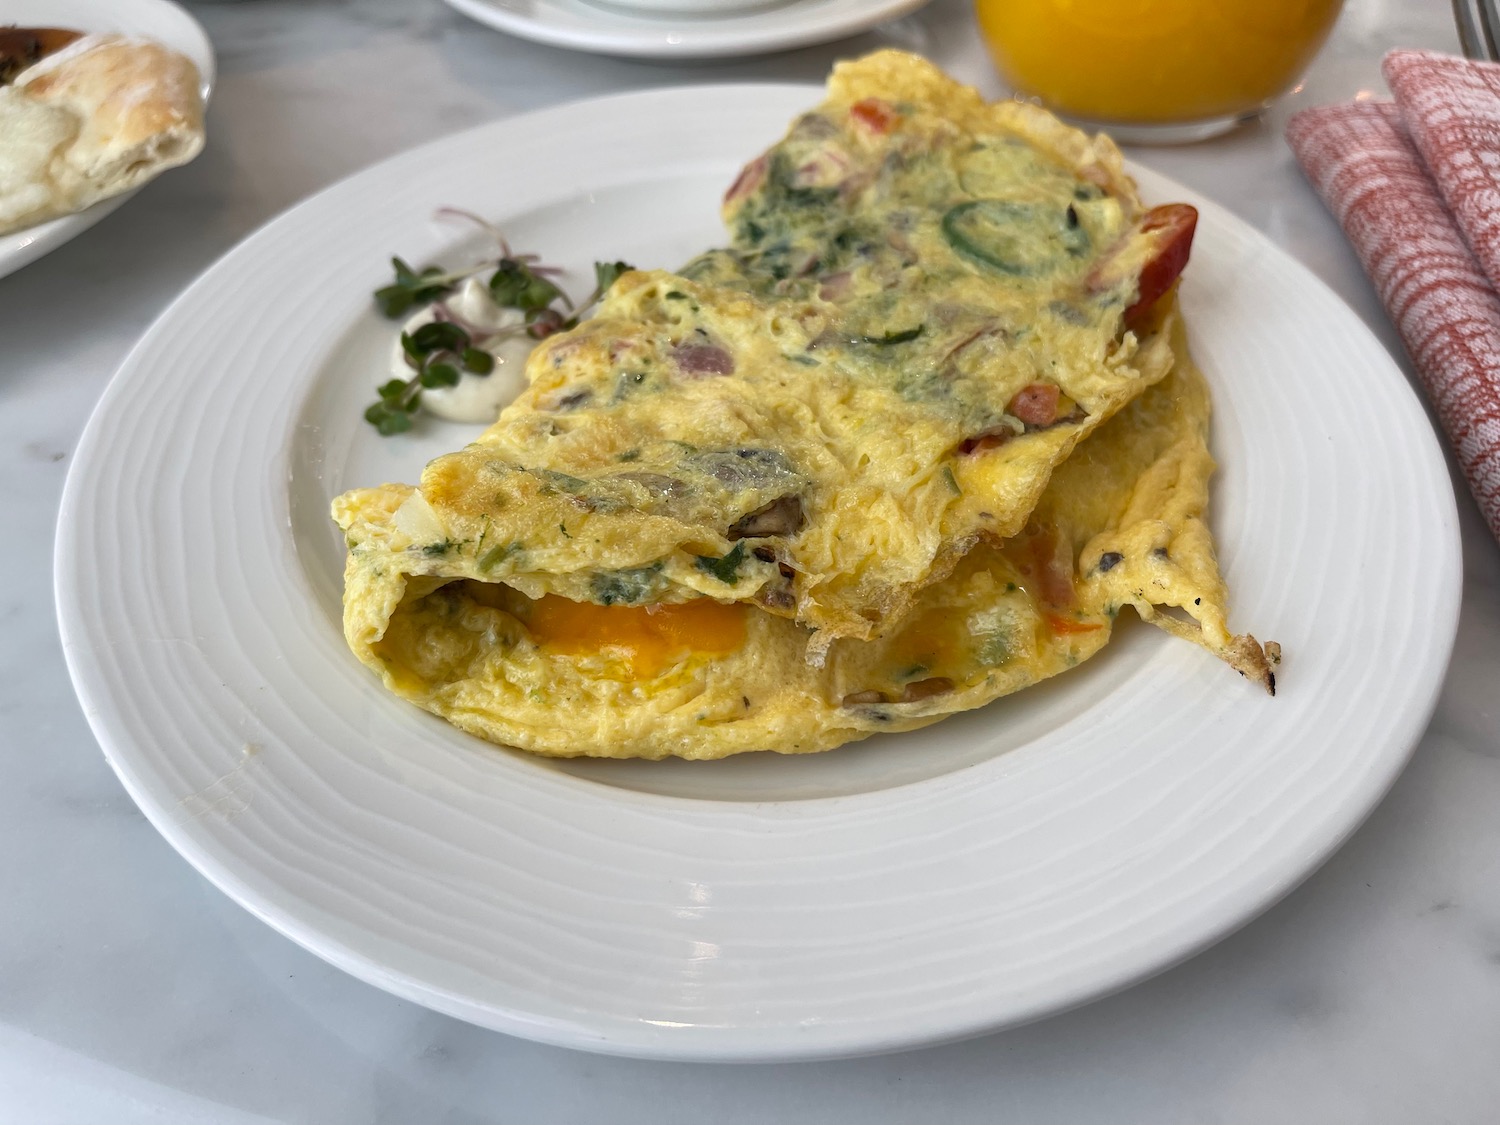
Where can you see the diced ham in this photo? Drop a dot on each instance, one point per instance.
(703, 359)
(990, 439)
(1035, 404)
(1171, 228)
(748, 180)
(835, 286)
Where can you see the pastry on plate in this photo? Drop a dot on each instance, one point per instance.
(98, 117)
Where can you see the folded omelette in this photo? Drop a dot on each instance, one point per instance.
(906, 444)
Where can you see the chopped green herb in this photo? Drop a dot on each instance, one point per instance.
(497, 555)
(725, 569)
(906, 335)
(995, 232)
(951, 481)
(625, 587)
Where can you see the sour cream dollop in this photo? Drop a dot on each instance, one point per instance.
(476, 398)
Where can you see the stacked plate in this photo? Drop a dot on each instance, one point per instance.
(683, 29)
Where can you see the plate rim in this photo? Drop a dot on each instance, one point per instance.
(72, 625)
(708, 39)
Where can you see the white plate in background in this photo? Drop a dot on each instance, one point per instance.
(996, 867)
(601, 29)
(161, 20)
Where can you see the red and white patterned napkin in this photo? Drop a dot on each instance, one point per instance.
(1415, 183)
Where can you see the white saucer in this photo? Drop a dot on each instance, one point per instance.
(585, 26)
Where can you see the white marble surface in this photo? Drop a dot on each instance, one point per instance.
(132, 991)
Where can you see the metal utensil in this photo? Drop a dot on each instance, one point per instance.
(1478, 28)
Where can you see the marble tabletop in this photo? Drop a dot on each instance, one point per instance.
(132, 991)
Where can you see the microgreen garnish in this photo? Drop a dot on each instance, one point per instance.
(515, 285)
(440, 352)
(412, 288)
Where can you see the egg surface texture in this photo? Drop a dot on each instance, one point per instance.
(908, 443)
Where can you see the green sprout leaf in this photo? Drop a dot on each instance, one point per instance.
(515, 286)
(607, 273)
(388, 419)
(439, 375)
(440, 351)
(435, 337)
(478, 361)
(412, 288)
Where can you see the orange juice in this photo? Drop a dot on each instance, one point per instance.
(1154, 61)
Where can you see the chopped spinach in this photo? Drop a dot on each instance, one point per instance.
(725, 569)
(625, 587)
(904, 336)
(497, 555)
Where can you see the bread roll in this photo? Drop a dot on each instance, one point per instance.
(98, 118)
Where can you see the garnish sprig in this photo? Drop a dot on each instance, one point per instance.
(435, 352)
(440, 351)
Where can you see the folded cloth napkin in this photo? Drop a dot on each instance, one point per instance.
(1415, 183)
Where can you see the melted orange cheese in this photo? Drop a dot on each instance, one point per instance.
(649, 637)
(936, 642)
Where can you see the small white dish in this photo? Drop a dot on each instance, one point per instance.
(996, 867)
(162, 20)
(669, 8)
(584, 26)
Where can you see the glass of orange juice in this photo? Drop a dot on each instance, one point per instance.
(1155, 70)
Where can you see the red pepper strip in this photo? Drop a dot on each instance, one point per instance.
(875, 114)
(1171, 229)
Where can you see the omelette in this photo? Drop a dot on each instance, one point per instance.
(906, 444)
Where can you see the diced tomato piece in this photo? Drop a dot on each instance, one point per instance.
(875, 114)
(1035, 404)
(1052, 568)
(1064, 625)
(1171, 229)
(990, 439)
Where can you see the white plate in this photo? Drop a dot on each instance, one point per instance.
(584, 26)
(996, 867)
(162, 20)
